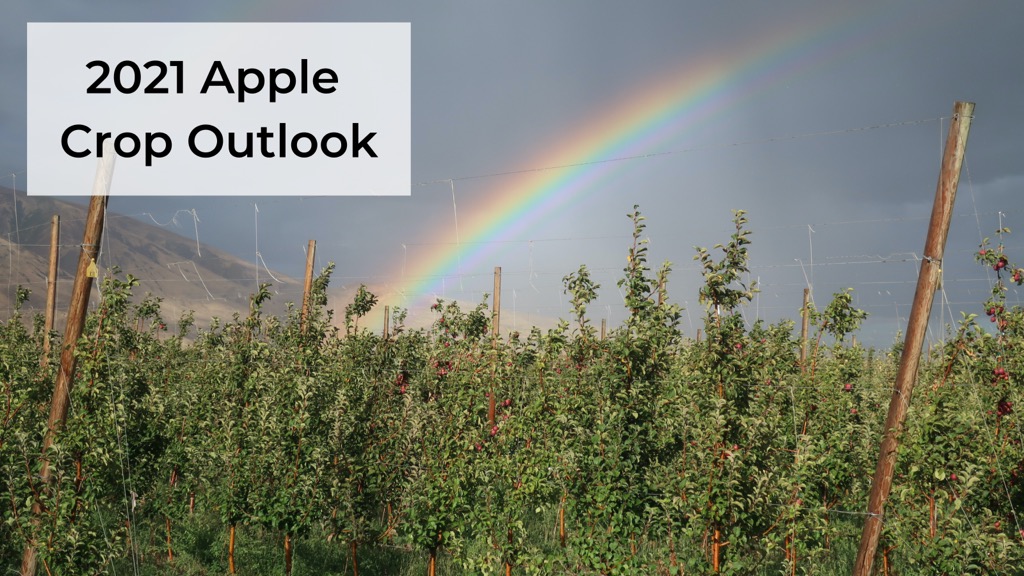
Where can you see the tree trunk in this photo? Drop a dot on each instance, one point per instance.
(715, 546)
(170, 550)
(561, 523)
(508, 563)
(287, 554)
(355, 559)
(231, 549)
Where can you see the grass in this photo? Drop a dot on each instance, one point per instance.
(201, 543)
(200, 548)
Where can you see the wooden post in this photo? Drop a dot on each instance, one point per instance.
(308, 287)
(496, 322)
(805, 320)
(496, 315)
(604, 323)
(287, 554)
(508, 564)
(716, 546)
(355, 558)
(231, 549)
(927, 281)
(561, 522)
(51, 288)
(77, 308)
(387, 319)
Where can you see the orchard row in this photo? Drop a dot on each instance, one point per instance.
(550, 452)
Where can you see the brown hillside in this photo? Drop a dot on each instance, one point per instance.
(168, 265)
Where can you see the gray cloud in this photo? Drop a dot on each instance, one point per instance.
(496, 84)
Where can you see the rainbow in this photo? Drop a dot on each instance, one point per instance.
(681, 102)
(686, 100)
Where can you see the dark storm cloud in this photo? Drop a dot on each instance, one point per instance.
(495, 84)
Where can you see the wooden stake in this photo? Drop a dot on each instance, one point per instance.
(496, 325)
(355, 559)
(231, 549)
(508, 565)
(715, 549)
(308, 287)
(77, 308)
(927, 281)
(51, 288)
(805, 320)
(561, 523)
(387, 319)
(604, 323)
(496, 314)
(390, 531)
(287, 554)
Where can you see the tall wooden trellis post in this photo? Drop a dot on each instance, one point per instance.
(77, 308)
(927, 284)
(51, 288)
(307, 286)
(495, 333)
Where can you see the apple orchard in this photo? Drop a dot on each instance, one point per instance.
(449, 449)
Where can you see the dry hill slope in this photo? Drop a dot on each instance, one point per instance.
(168, 265)
(205, 280)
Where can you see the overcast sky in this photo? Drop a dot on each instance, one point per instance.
(824, 122)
